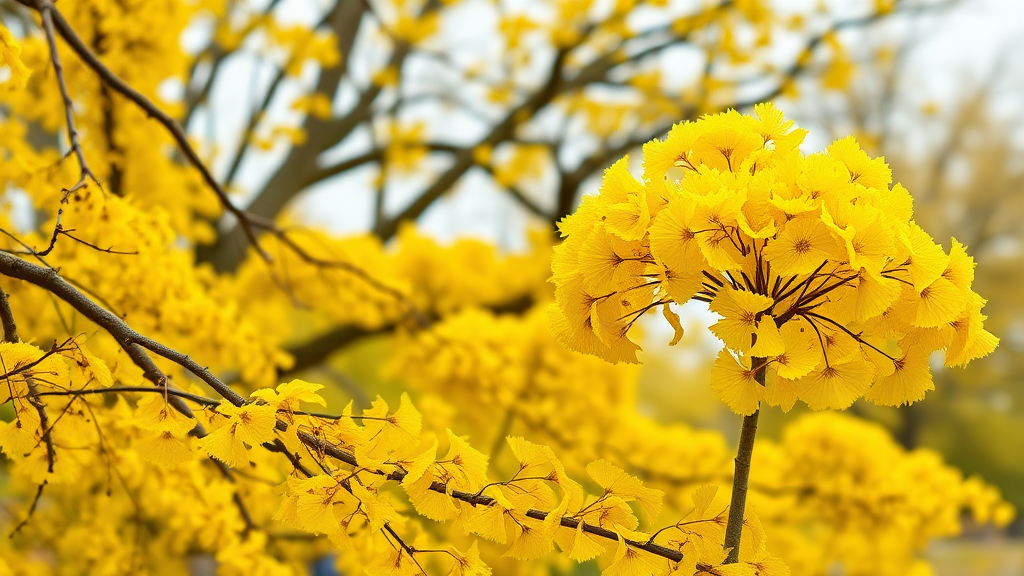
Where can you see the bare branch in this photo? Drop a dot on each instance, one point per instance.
(31, 510)
(7, 317)
(46, 13)
(217, 56)
(464, 159)
(518, 195)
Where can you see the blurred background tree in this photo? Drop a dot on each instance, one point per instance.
(489, 119)
(961, 154)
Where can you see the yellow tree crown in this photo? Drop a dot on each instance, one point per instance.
(814, 263)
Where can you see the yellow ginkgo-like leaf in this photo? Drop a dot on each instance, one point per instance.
(631, 561)
(736, 385)
(618, 482)
(470, 564)
(155, 413)
(165, 449)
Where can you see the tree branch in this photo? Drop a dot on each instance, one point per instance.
(7, 318)
(193, 98)
(46, 13)
(345, 19)
(741, 478)
(518, 194)
(504, 130)
(341, 167)
(257, 114)
(477, 499)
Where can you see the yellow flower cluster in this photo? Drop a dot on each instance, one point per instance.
(539, 507)
(837, 489)
(816, 266)
(358, 281)
(521, 381)
(130, 491)
(128, 260)
(141, 43)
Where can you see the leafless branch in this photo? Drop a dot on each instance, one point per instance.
(46, 14)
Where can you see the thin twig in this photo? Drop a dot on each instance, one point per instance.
(45, 12)
(31, 510)
(203, 400)
(7, 317)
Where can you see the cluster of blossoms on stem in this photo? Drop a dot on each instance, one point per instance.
(815, 265)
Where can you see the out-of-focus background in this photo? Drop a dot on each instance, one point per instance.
(937, 88)
(489, 119)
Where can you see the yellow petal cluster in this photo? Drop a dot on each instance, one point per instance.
(814, 264)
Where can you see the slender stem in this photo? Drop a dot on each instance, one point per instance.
(45, 13)
(7, 318)
(741, 478)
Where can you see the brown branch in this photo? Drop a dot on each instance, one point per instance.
(31, 511)
(504, 130)
(341, 167)
(217, 55)
(346, 18)
(44, 423)
(131, 341)
(46, 10)
(7, 318)
(258, 113)
(741, 478)
(476, 499)
(203, 400)
(518, 194)
(133, 344)
(109, 250)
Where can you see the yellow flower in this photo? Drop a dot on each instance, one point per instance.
(247, 426)
(739, 310)
(801, 247)
(735, 384)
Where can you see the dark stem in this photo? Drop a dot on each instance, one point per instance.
(7, 317)
(741, 478)
(46, 15)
